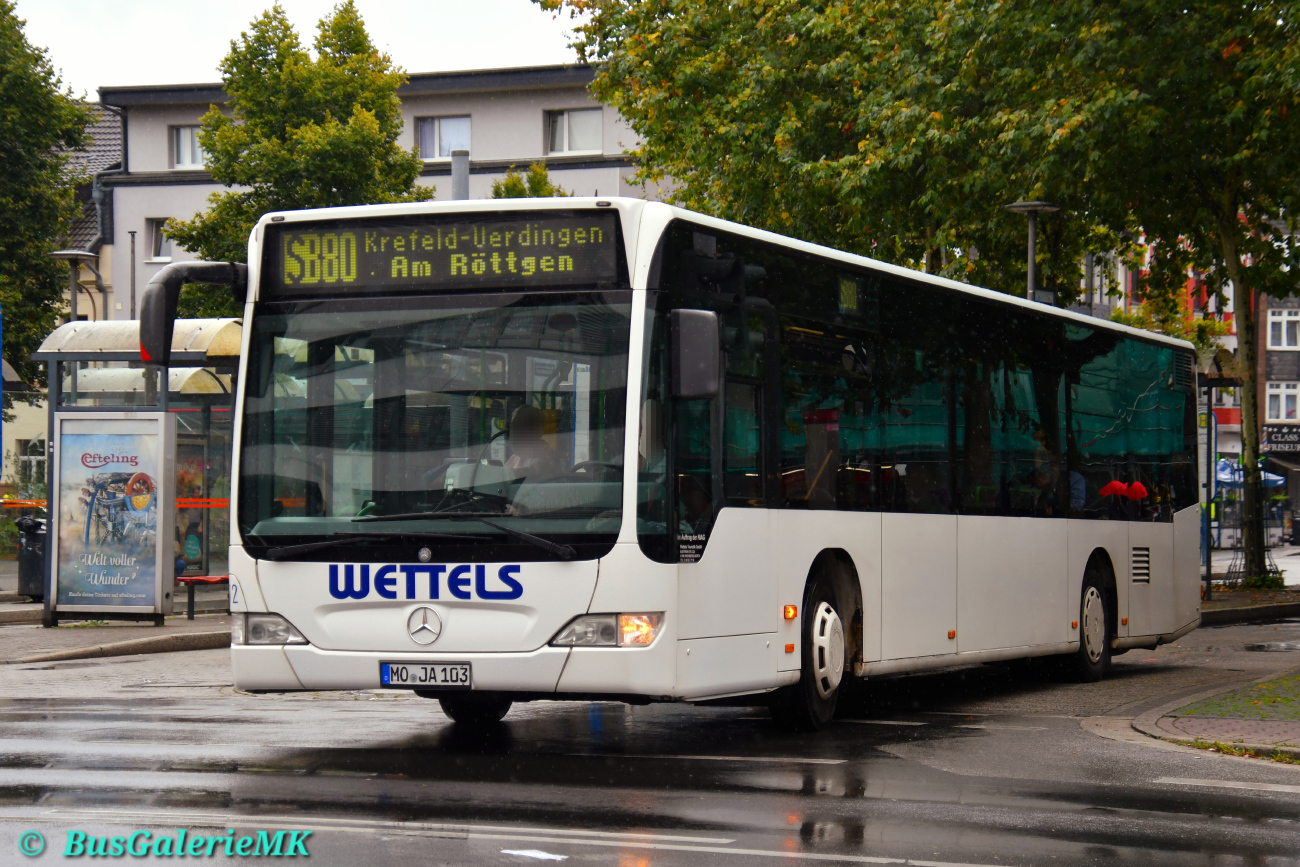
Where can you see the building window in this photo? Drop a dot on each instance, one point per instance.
(1284, 329)
(575, 132)
(187, 153)
(30, 469)
(1282, 398)
(160, 246)
(439, 136)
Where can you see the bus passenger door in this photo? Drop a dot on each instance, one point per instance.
(728, 608)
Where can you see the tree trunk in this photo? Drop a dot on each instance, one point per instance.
(1252, 500)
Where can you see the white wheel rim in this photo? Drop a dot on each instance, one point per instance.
(1094, 624)
(827, 650)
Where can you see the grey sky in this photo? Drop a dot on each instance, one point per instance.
(96, 43)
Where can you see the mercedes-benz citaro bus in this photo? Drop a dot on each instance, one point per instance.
(500, 451)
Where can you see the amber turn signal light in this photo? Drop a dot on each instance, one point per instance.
(952, 633)
(791, 612)
(789, 648)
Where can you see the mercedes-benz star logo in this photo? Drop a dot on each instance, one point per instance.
(425, 625)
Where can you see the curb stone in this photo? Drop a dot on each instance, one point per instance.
(1250, 613)
(1148, 723)
(153, 644)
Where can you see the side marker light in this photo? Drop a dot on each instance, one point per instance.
(791, 612)
(952, 633)
(1124, 620)
(1074, 624)
(789, 648)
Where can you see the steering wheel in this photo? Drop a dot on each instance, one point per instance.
(604, 470)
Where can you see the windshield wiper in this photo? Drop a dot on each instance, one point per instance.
(284, 552)
(564, 552)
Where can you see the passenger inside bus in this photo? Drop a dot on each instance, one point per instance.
(531, 453)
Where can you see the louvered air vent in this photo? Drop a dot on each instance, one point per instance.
(1142, 565)
(1184, 372)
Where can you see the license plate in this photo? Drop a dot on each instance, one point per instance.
(424, 675)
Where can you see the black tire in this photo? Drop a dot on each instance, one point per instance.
(809, 705)
(1096, 626)
(470, 709)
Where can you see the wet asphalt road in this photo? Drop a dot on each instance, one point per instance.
(989, 765)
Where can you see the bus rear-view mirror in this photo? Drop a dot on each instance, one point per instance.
(696, 353)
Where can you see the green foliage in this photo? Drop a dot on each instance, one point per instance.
(1277, 699)
(1175, 321)
(302, 132)
(39, 123)
(1264, 582)
(887, 127)
(535, 185)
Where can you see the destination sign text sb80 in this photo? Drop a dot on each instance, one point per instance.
(441, 253)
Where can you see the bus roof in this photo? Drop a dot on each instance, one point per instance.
(634, 211)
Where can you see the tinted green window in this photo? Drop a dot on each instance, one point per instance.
(1011, 413)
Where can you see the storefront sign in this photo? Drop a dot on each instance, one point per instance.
(114, 481)
(1280, 438)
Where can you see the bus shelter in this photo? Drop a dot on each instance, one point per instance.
(96, 367)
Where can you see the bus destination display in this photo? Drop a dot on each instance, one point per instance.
(537, 250)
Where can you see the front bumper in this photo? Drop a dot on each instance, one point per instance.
(295, 667)
(556, 670)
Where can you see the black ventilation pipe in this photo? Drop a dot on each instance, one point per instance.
(158, 305)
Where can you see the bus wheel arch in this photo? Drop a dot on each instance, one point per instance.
(1098, 615)
(836, 566)
(1100, 564)
(830, 629)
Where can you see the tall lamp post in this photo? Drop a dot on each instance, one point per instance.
(1032, 210)
(75, 259)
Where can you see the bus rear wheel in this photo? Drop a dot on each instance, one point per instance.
(470, 709)
(1092, 659)
(809, 705)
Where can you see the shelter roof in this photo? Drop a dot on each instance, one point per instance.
(119, 340)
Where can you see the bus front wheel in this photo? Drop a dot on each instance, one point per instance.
(1093, 656)
(473, 709)
(809, 705)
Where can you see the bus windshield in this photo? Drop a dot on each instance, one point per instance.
(508, 406)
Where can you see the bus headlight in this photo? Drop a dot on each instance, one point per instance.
(609, 630)
(263, 629)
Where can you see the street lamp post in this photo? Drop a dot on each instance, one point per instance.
(75, 258)
(1032, 210)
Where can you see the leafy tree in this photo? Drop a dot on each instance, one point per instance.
(852, 125)
(899, 129)
(1203, 333)
(535, 185)
(302, 132)
(39, 123)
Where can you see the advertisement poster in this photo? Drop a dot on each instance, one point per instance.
(109, 493)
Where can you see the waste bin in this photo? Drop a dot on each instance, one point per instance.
(31, 557)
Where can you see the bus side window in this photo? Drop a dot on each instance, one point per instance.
(1097, 453)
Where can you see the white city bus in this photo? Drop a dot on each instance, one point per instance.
(610, 449)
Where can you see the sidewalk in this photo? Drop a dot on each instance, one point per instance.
(22, 637)
(1262, 717)
(21, 642)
